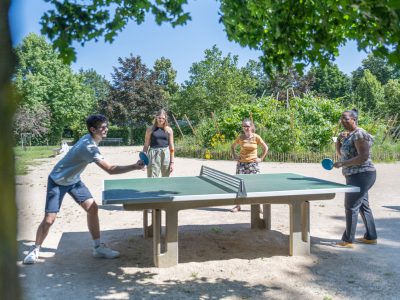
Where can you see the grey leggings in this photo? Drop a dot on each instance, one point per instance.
(355, 203)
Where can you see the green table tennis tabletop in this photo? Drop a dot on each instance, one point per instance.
(203, 188)
(213, 188)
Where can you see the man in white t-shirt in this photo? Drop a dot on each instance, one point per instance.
(65, 178)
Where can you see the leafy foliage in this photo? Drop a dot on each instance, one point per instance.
(289, 33)
(215, 82)
(308, 124)
(330, 82)
(379, 67)
(166, 77)
(71, 21)
(369, 93)
(289, 83)
(45, 83)
(302, 32)
(99, 86)
(117, 132)
(392, 98)
(34, 122)
(135, 94)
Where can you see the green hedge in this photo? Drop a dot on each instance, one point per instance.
(137, 135)
(119, 132)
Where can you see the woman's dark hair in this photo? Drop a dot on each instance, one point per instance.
(353, 113)
(95, 121)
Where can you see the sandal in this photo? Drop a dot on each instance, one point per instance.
(236, 208)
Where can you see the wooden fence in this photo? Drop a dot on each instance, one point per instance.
(306, 157)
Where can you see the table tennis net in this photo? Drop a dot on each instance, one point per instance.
(227, 179)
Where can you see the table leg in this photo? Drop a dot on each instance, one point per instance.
(170, 256)
(299, 228)
(256, 221)
(147, 229)
(267, 216)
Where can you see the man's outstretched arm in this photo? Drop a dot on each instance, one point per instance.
(115, 169)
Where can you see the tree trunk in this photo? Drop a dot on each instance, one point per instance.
(9, 284)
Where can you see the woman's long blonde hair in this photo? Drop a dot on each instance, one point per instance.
(161, 112)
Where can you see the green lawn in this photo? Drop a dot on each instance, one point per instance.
(30, 156)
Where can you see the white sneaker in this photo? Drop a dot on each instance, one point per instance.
(32, 256)
(104, 252)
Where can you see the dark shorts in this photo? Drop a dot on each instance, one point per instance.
(55, 194)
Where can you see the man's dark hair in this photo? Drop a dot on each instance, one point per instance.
(95, 121)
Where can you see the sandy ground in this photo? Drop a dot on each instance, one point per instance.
(220, 257)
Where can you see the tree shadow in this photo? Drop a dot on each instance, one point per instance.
(70, 268)
(393, 207)
(197, 243)
(366, 271)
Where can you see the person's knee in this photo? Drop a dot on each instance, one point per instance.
(91, 208)
(352, 203)
(49, 219)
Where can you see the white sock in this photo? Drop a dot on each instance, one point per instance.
(96, 243)
(37, 247)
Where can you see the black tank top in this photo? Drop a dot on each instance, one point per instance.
(159, 138)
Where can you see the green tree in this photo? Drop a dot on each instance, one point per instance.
(287, 32)
(392, 97)
(302, 32)
(379, 67)
(254, 69)
(71, 21)
(369, 93)
(31, 121)
(135, 94)
(44, 81)
(99, 86)
(289, 83)
(330, 82)
(166, 77)
(214, 82)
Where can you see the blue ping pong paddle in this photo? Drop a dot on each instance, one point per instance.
(143, 156)
(327, 163)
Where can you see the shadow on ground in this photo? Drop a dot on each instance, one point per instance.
(131, 276)
(72, 270)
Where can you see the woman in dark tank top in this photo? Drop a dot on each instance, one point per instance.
(159, 138)
(159, 146)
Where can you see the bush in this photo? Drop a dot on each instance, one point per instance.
(137, 135)
(119, 132)
(308, 124)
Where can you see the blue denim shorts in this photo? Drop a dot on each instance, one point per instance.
(55, 194)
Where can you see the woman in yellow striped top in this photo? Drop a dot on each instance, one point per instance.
(247, 160)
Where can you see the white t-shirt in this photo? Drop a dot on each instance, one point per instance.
(68, 170)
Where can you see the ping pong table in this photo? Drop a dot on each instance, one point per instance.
(215, 188)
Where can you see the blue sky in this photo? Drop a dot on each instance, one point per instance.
(182, 45)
